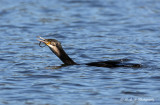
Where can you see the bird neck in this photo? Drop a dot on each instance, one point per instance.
(61, 54)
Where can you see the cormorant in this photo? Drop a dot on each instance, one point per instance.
(56, 48)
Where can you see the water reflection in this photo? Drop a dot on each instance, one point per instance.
(56, 67)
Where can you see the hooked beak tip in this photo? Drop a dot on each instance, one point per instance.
(40, 39)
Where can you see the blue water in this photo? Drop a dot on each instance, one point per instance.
(89, 30)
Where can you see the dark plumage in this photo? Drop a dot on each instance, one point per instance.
(56, 48)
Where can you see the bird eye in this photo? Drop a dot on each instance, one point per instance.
(53, 43)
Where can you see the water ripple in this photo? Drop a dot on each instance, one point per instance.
(89, 31)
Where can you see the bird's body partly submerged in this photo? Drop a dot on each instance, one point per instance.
(56, 48)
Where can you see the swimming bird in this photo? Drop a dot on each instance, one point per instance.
(56, 47)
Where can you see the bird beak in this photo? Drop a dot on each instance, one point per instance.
(41, 39)
(44, 41)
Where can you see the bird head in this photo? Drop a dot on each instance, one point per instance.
(49, 42)
(53, 44)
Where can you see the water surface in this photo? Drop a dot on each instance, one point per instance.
(89, 31)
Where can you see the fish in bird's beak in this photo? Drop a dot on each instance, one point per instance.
(42, 40)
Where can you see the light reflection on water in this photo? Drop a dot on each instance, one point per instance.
(89, 31)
